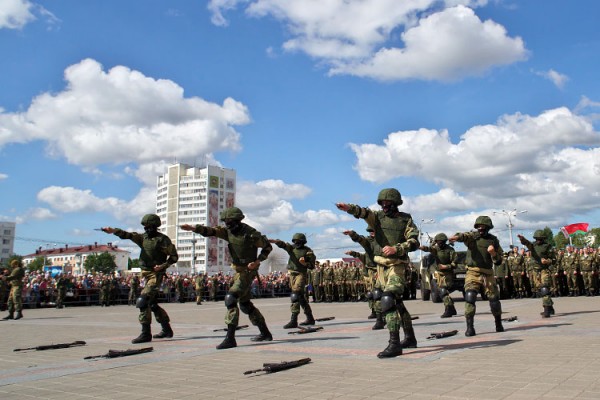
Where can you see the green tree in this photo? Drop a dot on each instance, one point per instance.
(103, 262)
(549, 236)
(135, 263)
(37, 264)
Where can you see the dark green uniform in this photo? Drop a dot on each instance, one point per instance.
(61, 290)
(15, 296)
(480, 271)
(543, 256)
(445, 261)
(244, 242)
(301, 259)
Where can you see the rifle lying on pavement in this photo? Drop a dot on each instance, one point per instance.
(510, 319)
(276, 367)
(121, 353)
(324, 319)
(54, 346)
(441, 335)
(306, 329)
(237, 328)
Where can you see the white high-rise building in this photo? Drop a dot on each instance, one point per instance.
(191, 195)
(7, 240)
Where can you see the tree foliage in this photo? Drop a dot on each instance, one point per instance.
(103, 262)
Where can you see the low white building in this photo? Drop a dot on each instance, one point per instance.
(72, 259)
(7, 240)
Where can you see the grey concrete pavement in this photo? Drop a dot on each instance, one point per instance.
(534, 358)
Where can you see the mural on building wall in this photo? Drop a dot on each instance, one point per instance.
(213, 181)
(213, 207)
(212, 251)
(229, 184)
(229, 199)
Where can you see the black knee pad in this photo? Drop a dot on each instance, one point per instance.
(545, 291)
(369, 295)
(495, 306)
(377, 293)
(443, 292)
(295, 297)
(231, 300)
(388, 302)
(142, 302)
(471, 296)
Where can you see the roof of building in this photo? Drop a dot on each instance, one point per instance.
(68, 250)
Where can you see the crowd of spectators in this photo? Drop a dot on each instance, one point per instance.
(39, 288)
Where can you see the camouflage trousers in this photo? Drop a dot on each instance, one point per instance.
(369, 281)
(518, 284)
(588, 280)
(545, 279)
(150, 292)
(297, 285)
(198, 291)
(481, 280)
(392, 279)
(445, 281)
(60, 296)
(240, 288)
(15, 299)
(133, 295)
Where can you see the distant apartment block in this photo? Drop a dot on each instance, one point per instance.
(192, 195)
(7, 243)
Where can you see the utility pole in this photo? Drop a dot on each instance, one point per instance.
(509, 214)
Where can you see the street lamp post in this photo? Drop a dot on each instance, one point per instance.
(509, 214)
(421, 223)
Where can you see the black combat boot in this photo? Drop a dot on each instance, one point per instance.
(498, 321)
(229, 340)
(19, 315)
(166, 331)
(379, 322)
(394, 348)
(546, 312)
(410, 341)
(145, 336)
(310, 320)
(449, 311)
(11, 315)
(265, 335)
(470, 328)
(373, 314)
(293, 322)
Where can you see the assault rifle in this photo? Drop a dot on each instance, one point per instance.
(276, 367)
(237, 328)
(510, 319)
(121, 353)
(441, 335)
(306, 329)
(54, 346)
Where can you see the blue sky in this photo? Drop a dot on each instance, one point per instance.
(468, 107)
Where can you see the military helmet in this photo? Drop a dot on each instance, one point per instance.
(299, 237)
(440, 237)
(484, 220)
(232, 213)
(539, 234)
(391, 194)
(15, 263)
(151, 220)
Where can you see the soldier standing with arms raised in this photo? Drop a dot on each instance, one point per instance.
(302, 258)
(445, 259)
(244, 242)
(397, 235)
(483, 251)
(157, 254)
(542, 257)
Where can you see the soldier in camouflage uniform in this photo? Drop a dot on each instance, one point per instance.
(517, 272)
(244, 242)
(316, 280)
(105, 292)
(15, 297)
(61, 290)
(542, 257)
(157, 254)
(483, 251)
(340, 281)
(588, 270)
(445, 261)
(396, 235)
(301, 260)
(134, 289)
(328, 281)
(368, 259)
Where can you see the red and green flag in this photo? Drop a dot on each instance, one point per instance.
(574, 229)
